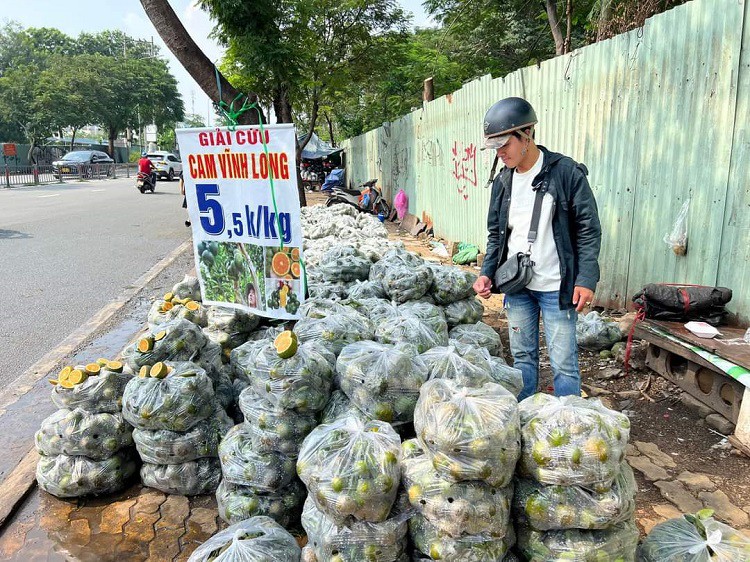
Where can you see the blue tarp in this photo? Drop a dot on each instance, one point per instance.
(334, 179)
(317, 148)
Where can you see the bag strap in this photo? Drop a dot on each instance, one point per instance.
(535, 214)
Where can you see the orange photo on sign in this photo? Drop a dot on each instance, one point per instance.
(9, 149)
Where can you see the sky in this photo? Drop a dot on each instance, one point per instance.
(91, 16)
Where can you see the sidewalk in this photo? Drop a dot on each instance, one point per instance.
(680, 467)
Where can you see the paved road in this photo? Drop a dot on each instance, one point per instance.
(66, 250)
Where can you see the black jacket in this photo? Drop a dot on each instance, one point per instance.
(575, 223)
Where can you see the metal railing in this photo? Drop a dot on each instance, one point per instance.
(16, 176)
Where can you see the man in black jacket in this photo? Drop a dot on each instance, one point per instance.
(565, 251)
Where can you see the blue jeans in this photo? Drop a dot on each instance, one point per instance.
(522, 311)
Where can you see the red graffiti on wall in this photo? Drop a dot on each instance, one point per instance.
(464, 167)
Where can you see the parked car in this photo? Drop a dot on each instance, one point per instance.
(167, 164)
(84, 163)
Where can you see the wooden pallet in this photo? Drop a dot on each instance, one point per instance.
(699, 377)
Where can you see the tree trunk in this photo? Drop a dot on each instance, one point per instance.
(604, 16)
(554, 24)
(330, 129)
(73, 139)
(300, 186)
(568, 24)
(282, 107)
(191, 56)
(112, 136)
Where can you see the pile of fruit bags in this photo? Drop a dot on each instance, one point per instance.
(575, 497)
(289, 385)
(458, 474)
(86, 447)
(351, 469)
(179, 422)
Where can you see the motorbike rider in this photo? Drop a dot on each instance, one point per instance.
(146, 167)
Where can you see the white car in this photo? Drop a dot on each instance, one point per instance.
(166, 164)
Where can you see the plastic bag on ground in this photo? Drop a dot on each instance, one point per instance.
(381, 380)
(695, 538)
(507, 376)
(73, 477)
(553, 507)
(328, 291)
(301, 382)
(454, 508)
(177, 402)
(616, 543)
(470, 433)
(465, 364)
(243, 464)
(340, 406)
(408, 329)
(596, 334)
(335, 331)
(451, 284)
(271, 428)
(320, 308)
(178, 340)
(572, 441)
(258, 539)
(405, 283)
(101, 393)
(237, 503)
(467, 311)
(77, 432)
(430, 314)
(361, 541)
(401, 204)
(376, 310)
(344, 263)
(396, 257)
(367, 289)
(231, 320)
(163, 446)
(193, 478)
(188, 288)
(351, 469)
(242, 358)
(468, 548)
(478, 335)
(224, 390)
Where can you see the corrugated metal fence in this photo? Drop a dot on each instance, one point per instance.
(659, 115)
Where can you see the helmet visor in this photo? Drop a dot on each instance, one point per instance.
(493, 143)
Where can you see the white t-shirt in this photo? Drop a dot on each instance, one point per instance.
(546, 270)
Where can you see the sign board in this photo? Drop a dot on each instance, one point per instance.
(9, 150)
(151, 132)
(247, 237)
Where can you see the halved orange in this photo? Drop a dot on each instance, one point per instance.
(280, 264)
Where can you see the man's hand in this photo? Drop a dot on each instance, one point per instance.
(482, 286)
(582, 297)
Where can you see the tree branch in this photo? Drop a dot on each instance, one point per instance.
(190, 55)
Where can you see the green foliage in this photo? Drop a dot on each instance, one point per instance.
(50, 81)
(229, 270)
(302, 54)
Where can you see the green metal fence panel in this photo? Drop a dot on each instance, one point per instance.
(734, 258)
(652, 115)
(688, 67)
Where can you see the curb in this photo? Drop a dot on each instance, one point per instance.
(20, 480)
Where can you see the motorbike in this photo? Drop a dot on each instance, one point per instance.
(145, 182)
(366, 198)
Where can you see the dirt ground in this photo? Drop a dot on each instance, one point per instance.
(657, 417)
